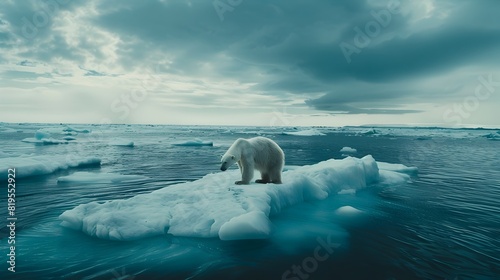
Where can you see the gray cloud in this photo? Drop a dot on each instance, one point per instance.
(279, 48)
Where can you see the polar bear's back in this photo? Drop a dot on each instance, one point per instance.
(266, 153)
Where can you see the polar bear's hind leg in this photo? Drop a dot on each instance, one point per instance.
(265, 179)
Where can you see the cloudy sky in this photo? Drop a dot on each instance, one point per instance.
(242, 62)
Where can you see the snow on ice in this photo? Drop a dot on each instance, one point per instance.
(214, 206)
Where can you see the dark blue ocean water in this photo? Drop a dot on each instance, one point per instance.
(443, 224)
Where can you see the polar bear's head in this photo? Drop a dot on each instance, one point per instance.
(227, 160)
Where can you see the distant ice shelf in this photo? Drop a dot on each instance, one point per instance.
(308, 132)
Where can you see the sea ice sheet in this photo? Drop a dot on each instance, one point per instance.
(214, 206)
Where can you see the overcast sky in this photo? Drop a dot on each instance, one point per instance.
(251, 62)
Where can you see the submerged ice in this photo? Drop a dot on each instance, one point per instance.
(98, 178)
(214, 206)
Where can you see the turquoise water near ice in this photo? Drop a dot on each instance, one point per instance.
(442, 225)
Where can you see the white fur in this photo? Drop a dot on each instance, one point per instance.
(259, 153)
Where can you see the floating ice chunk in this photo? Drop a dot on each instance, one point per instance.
(370, 132)
(195, 142)
(348, 210)
(43, 138)
(94, 178)
(122, 143)
(308, 132)
(50, 130)
(396, 167)
(252, 225)
(348, 150)
(214, 206)
(44, 141)
(39, 135)
(493, 136)
(72, 129)
(347, 191)
(70, 133)
(42, 165)
(8, 130)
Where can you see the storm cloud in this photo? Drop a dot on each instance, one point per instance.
(413, 59)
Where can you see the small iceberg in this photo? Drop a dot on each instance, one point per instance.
(72, 129)
(348, 150)
(347, 210)
(39, 135)
(370, 132)
(347, 191)
(493, 136)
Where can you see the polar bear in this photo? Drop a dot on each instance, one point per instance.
(259, 153)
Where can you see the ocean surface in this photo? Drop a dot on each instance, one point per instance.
(443, 223)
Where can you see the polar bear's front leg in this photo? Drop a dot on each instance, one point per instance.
(240, 166)
(246, 173)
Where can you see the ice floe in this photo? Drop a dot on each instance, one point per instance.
(195, 142)
(41, 165)
(214, 206)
